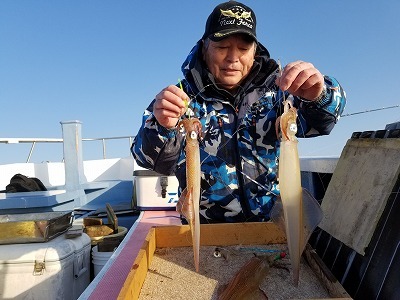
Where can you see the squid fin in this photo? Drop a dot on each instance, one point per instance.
(312, 215)
(184, 205)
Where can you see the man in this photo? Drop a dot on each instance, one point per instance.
(236, 90)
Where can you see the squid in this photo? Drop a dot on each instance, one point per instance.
(301, 212)
(246, 283)
(189, 201)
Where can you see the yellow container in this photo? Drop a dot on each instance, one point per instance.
(121, 232)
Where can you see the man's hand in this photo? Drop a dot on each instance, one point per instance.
(301, 79)
(169, 106)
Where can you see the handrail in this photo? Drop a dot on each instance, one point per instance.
(34, 141)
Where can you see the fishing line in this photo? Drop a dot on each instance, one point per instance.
(370, 110)
(192, 106)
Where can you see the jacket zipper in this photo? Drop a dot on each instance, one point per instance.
(239, 173)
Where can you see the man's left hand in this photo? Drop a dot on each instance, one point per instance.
(301, 79)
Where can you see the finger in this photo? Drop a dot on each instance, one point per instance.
(166, 114)
(166, 108)
(283, 75)
(169, 106)
(171, 99)
(167, 122)
(306, 79)
(290, 74)
(178, 96)
(313, 80)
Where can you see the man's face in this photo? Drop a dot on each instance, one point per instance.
(230, 60)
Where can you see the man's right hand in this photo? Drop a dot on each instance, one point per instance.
(169, 106)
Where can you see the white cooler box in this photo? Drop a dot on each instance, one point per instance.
(57, 269)
(153, 191)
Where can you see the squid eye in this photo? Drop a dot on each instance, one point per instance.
(293, 127)
(193, 135)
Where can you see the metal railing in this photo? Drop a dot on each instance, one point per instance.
(35, 141)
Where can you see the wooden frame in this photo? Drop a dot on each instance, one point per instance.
(228, 234)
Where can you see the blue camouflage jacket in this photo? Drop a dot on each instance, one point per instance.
(239, 148)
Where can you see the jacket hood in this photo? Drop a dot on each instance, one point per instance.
(201, 80)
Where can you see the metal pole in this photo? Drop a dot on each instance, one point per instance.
(73, 160)
(30, 152)
(104, 148)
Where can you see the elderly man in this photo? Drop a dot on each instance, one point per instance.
(236, 90)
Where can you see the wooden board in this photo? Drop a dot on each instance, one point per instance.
(222, 234)
(211, 234)
(359, 189)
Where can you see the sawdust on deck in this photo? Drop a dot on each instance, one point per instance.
(172, 275)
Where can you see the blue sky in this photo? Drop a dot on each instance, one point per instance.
(102, 62)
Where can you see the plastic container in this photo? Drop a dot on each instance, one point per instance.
(99, 259)
(153, 191)
(57, 269)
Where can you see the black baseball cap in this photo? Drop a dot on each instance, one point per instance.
(230, 18)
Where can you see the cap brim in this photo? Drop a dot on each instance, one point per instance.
(220, 35)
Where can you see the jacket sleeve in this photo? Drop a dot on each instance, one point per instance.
(319, 117)
(156, 147)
